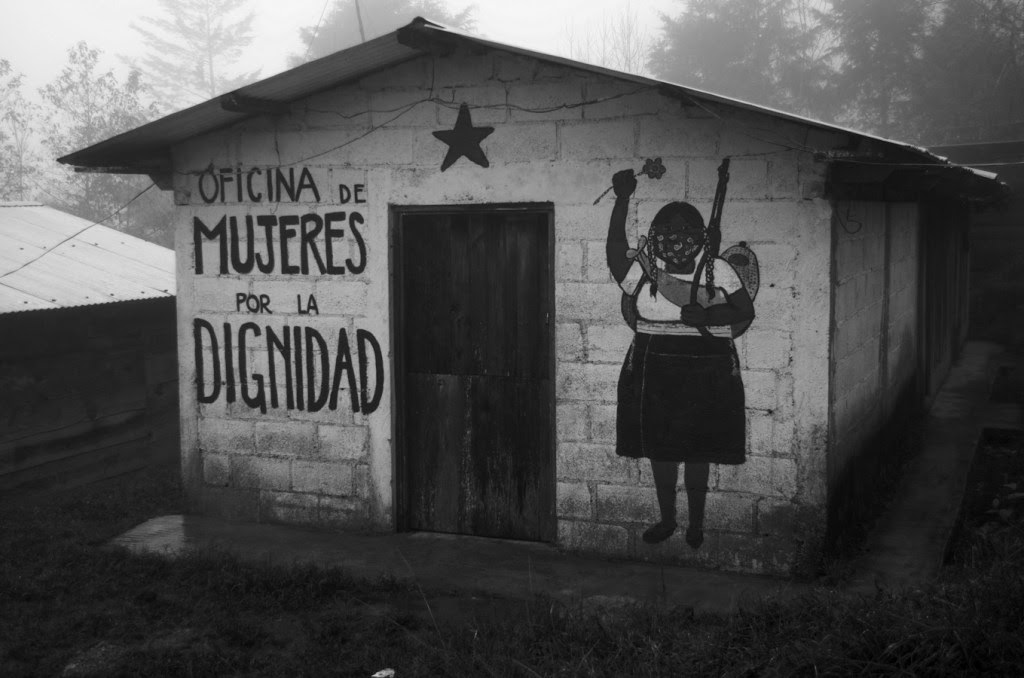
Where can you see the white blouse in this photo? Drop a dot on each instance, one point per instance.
(658, 315)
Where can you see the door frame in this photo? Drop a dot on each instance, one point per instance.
(400, 485)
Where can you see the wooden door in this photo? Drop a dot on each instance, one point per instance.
(474, 333)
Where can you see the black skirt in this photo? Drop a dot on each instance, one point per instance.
(681, 399)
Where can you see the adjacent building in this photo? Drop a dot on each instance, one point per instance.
(88, 353)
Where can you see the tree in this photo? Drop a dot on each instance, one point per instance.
(340, 27)
(879, 48)
(618, 42)
(18, 161)
(769, 52)
(971, 85)
(82, 107)
(192, 49)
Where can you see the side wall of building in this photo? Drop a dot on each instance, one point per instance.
(559, 136)
(997, 265)
(86, 394)
(875, 342)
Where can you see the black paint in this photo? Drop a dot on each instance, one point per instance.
(259, 401)
(464, 140)
(318, 237)
(314, 375)
(275, 184)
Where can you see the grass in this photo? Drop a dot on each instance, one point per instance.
(65, 600)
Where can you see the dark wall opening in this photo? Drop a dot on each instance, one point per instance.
(87, 393)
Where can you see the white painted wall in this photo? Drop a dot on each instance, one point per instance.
(876, 316)
(559, 136)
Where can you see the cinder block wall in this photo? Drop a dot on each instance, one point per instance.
(559, 136)
(902, 337)
(759, 513)
(874, 347)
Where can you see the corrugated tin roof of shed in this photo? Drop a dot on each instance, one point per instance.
(51, 259)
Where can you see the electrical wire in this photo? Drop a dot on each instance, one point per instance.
(79, 232)
(60, 201)
(784, 145)
(316, 30)
(402, 111)
(453, 105)
(1008, 163)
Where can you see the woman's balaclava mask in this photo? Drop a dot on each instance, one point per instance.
(677, 233)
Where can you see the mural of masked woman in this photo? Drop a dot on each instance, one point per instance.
(680, 394)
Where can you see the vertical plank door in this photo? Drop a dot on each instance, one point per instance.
(475, 404)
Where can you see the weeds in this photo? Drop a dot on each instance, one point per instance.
(65, 600)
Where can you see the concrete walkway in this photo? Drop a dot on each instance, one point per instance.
(907, 547)
(910, 541)
(440, 562)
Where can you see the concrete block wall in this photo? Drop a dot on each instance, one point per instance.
(859, 318)
(604, 501)
(290, 462)
(874, 341)
(559, 136)
(904, 264)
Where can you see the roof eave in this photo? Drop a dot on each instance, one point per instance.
(147, 147)
(274, 95)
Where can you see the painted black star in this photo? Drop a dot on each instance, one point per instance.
(464, 140)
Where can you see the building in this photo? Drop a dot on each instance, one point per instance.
(88, 353)
(396, 310)
(997, 243)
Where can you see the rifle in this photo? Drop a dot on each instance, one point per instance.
(712, 242)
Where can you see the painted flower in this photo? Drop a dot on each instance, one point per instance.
(653, 168)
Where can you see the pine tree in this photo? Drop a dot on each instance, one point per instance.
(971, 86)
(768, 52)
(878, 49)
(193, 48)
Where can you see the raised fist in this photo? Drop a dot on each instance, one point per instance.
(624, 183)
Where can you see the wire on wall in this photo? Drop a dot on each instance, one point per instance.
(316, 30)
(403, 110)
(784, 146)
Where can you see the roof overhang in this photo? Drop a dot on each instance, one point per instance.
(909, 181)
(146, 149)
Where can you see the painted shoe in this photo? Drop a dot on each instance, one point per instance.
(694, 537)
(659, 532)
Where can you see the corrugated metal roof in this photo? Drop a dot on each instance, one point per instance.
(146, 148)
(51, 259)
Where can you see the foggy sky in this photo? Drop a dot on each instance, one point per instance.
(35, 35)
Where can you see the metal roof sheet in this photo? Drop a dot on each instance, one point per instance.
(147, 146)
(146, 149)
(51, 259)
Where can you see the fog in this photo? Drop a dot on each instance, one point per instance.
(35, 36)
(75, 72)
